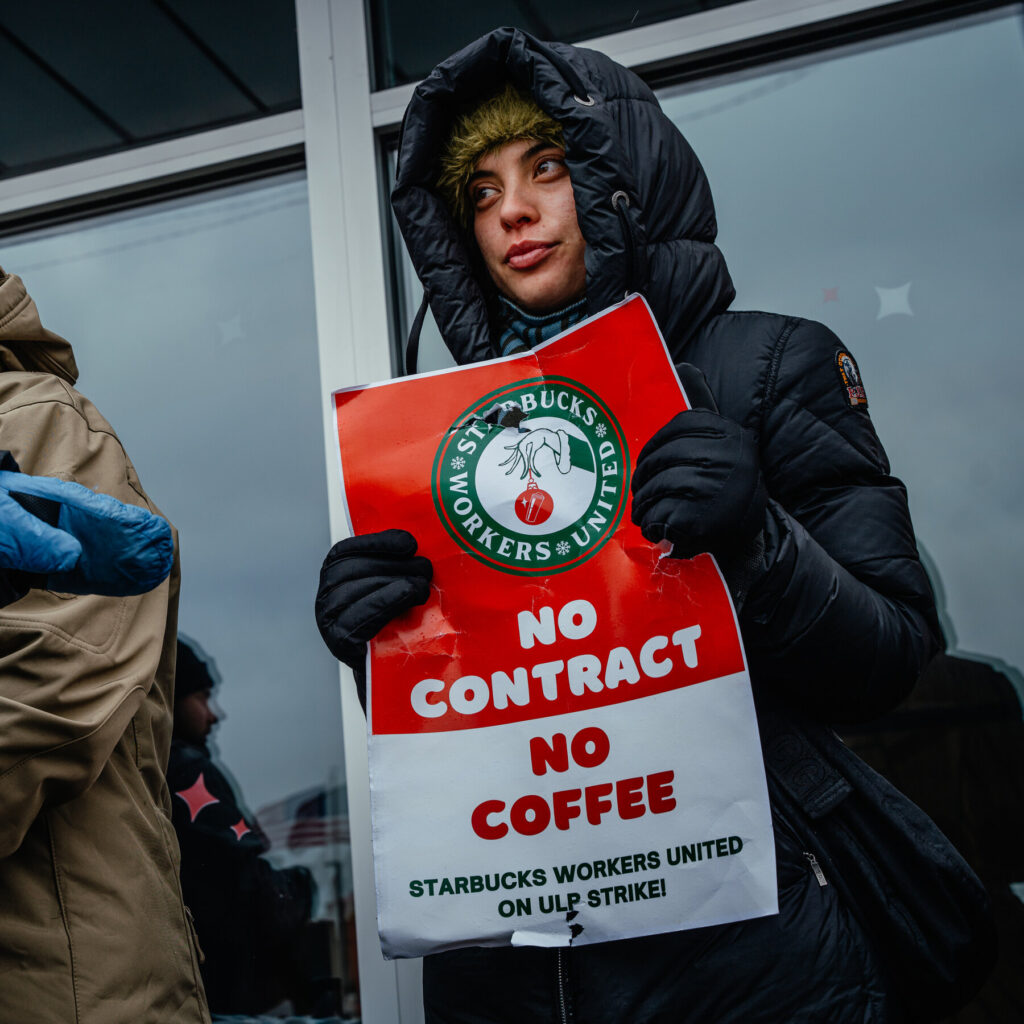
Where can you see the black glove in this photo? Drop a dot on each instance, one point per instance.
(366, 581)
(698, 484)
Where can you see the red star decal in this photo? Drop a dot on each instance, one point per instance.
(831, 295)
(197, 796)
(240, 829)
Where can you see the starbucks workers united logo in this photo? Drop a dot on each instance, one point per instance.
(532, 478)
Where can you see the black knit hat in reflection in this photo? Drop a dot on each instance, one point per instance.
(191, 674)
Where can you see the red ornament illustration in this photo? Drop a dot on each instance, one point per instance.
(534, 505)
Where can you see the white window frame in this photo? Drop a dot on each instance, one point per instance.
(668, 41)
(46, 192)
(340, 123)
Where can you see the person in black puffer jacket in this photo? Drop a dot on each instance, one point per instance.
(790, 488)
(250, 916)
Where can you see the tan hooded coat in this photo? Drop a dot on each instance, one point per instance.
(92, 925)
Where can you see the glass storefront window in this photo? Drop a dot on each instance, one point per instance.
(878, 191)
(81, 80)
(193, 327)
(409, 38)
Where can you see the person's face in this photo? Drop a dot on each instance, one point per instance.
(524, 220)
(195, 716)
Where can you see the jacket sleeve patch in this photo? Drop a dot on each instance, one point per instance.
(849, 377)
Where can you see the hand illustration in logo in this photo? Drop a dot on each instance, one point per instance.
(529, 446)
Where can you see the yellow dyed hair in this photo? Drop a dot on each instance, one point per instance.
(508, 116)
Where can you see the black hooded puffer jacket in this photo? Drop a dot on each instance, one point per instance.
(840, 619)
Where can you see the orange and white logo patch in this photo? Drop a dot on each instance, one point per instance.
(849, 375)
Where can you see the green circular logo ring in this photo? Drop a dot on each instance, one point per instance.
(532, 478)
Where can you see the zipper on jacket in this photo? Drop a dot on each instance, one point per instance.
(563, 982)
(195, 935)
(816, 868)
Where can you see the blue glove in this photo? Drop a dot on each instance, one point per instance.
(83, 542)
(30, 545)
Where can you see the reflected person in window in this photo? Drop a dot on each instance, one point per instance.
(537, 184)
(250, 916)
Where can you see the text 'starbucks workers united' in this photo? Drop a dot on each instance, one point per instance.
(533, 477)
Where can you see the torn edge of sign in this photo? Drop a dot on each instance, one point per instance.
(549, 934)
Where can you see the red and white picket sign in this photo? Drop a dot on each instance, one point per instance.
(562, 741)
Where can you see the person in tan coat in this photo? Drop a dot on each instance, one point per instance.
(93, 929)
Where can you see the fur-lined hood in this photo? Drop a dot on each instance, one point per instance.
(642, 199)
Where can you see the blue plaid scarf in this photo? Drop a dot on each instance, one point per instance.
(519, 330)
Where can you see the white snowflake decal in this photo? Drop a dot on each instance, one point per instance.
(562, 547)
(458, 462)
(600, 430)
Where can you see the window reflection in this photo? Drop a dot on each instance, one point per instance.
(254, 919)
(193, 324)
(879, 193)
(88, 79)
(409, 38)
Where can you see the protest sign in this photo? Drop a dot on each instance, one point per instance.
(562, 740)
